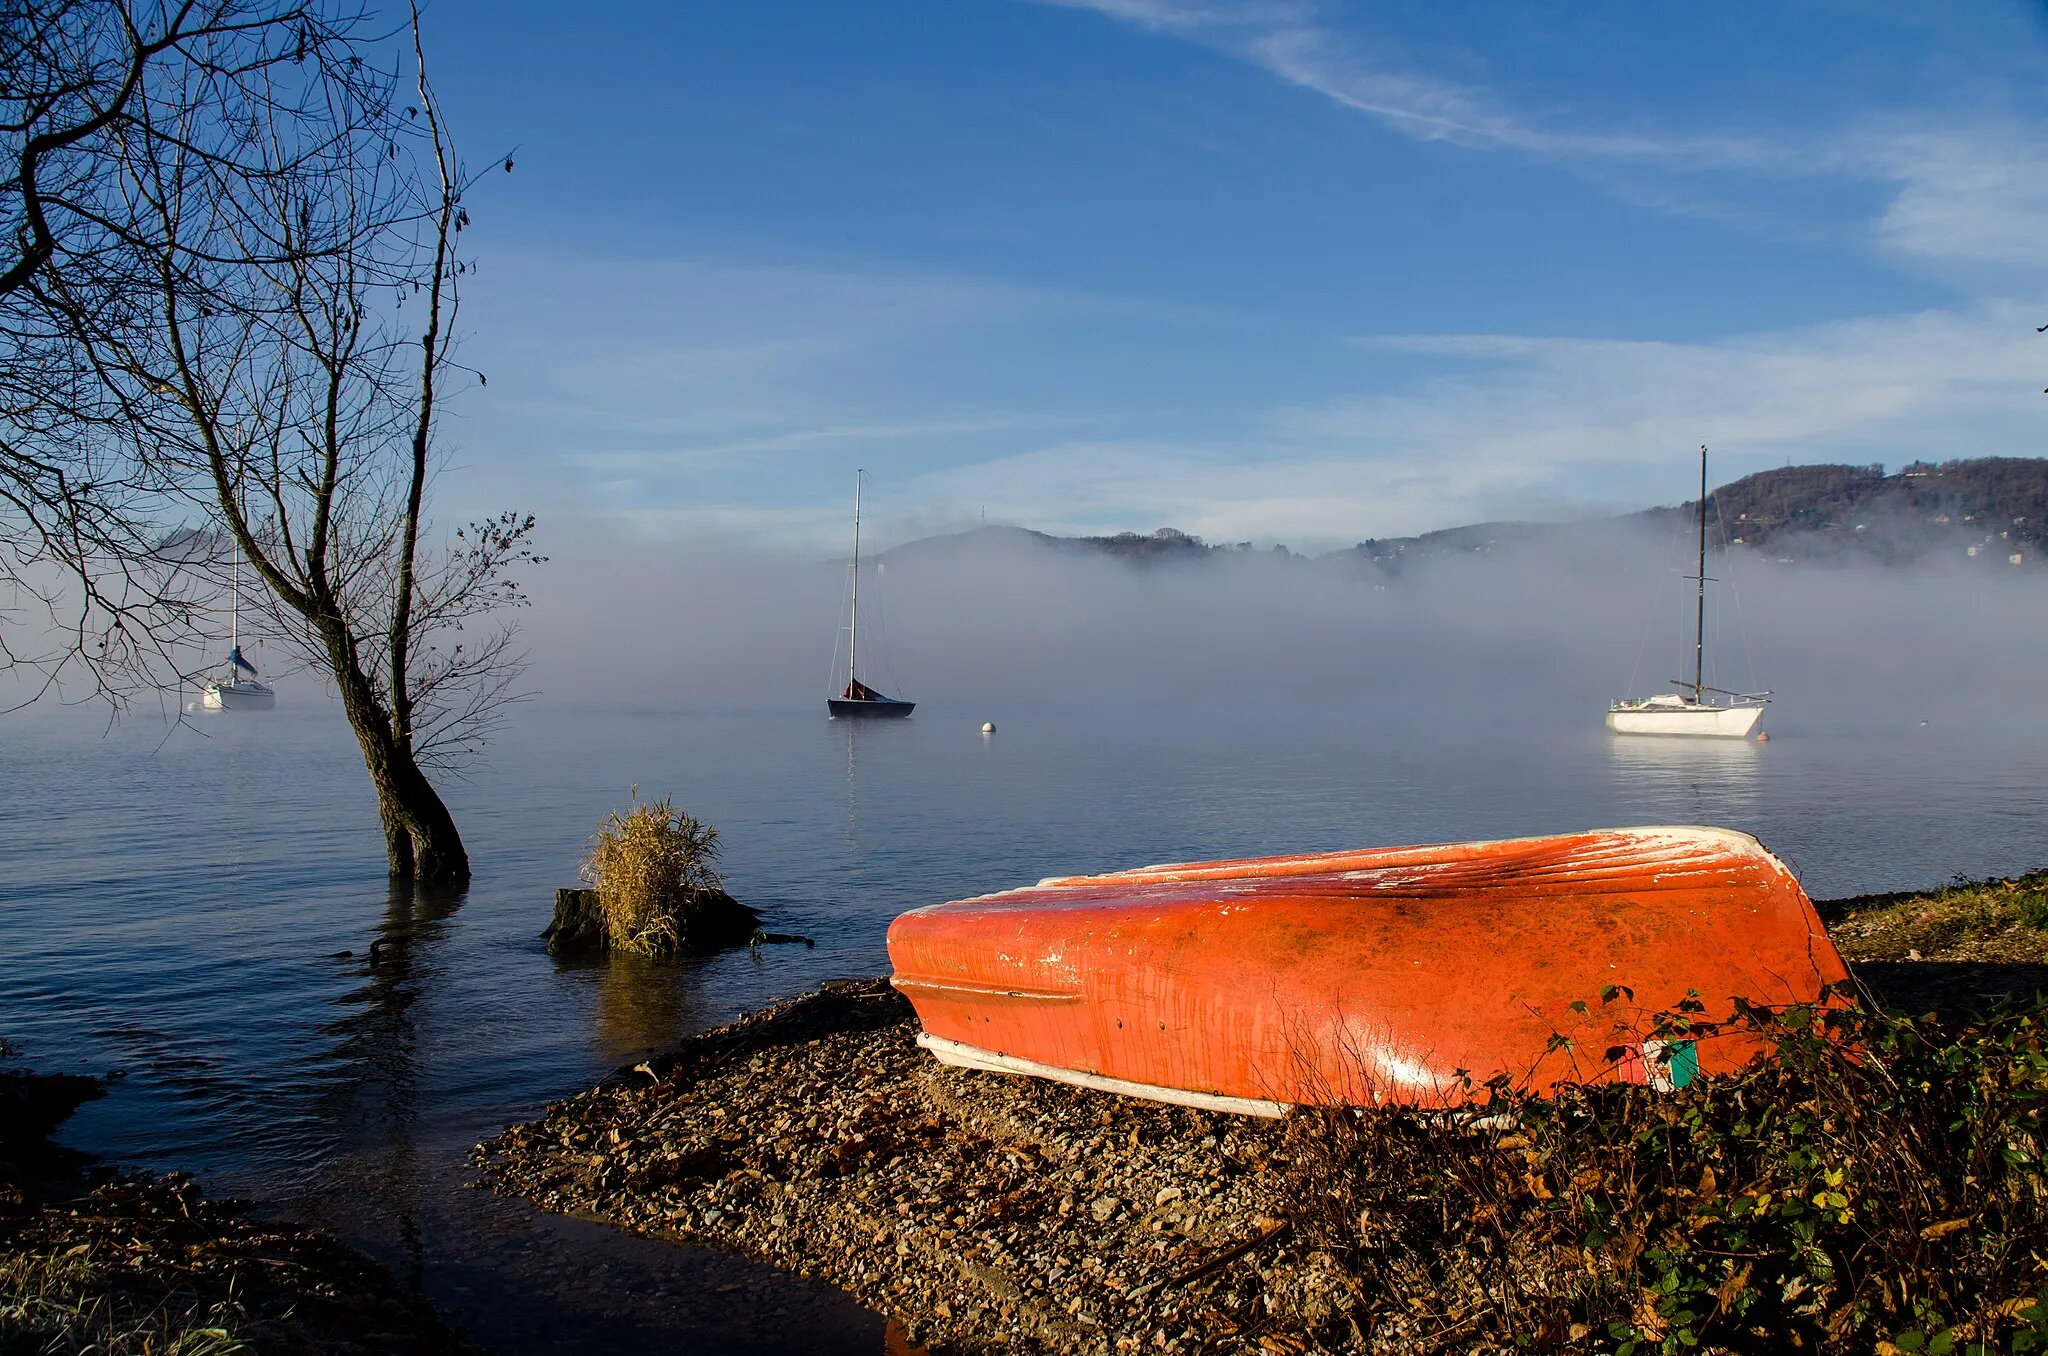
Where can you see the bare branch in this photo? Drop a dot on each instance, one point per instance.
(233, 297)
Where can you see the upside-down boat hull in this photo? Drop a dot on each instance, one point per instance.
(1407, 975)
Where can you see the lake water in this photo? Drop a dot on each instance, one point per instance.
(172, 912)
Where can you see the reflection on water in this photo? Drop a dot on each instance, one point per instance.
(506, 1275)
(1701, 781)
(643, 1004)
(880, 744)
(372, 1100)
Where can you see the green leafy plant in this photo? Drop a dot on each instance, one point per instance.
(1872, 1182)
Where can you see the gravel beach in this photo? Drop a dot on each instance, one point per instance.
(983, 1212)
(980, 1211)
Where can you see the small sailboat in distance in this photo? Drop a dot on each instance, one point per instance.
(860, 700)
(1695, 709)
(233, 692)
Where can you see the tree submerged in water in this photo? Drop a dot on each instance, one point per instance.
(268, 338)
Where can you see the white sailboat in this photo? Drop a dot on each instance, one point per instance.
(1695, 709)
(233, 692)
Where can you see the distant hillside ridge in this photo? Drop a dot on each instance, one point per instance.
(1991, 510)
(1986, 502)
(1140, 548)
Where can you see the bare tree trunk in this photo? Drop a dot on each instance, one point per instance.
(419, 834)
(255, 357)
(420, 838)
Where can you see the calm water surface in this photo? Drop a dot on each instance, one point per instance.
(175, 912)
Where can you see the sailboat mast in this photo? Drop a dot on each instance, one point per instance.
(235, 607)
(853, 618)
(1699, 640)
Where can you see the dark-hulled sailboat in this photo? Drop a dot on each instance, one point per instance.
(859, 700)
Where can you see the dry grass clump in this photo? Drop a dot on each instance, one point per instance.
(2003, 920)
(1878, 1185)
(147, 1266)
(652, 869)
(60, 1306)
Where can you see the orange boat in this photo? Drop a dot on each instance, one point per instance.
(1402, 975)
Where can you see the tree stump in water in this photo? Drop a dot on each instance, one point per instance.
(708, 920)
(578, 925)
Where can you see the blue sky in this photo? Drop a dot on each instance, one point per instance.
(1263, 270)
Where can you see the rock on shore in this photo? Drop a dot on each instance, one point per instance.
(983, 1212)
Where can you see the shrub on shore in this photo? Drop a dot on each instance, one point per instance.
(652, 868)
(1999, 920)
(1878, 1185)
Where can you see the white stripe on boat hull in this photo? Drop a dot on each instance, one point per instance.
(962, 1056)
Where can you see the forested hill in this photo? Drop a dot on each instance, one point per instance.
(1986, 502)
(1988, 511)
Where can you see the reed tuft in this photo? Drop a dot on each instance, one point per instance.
(651, 866)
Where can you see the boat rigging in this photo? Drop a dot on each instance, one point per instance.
(231, 691)
(1697, 709)
(858, 699)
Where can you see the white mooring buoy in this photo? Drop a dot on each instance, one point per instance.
(988, 727)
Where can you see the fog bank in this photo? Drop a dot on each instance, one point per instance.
(993, 621)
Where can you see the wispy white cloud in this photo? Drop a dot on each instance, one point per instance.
(1506, 426)
(1964, 188)
(1976, 193)
(702, 456)
(1288, 41)
(644, 387)
(632, 347)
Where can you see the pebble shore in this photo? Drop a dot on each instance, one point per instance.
(986, 1213)
(981, 1212)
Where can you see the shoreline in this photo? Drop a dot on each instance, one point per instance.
(817, 1136)
(99, 1258)
(984, 1212)
(974, 1211)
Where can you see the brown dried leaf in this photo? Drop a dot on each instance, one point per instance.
(1725, 1293)
(1647, 1318)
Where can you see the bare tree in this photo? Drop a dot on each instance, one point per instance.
(288, 378)
(92, 553)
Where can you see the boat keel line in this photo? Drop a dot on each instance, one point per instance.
(962, 1056)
